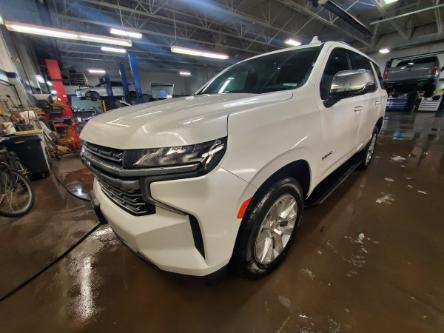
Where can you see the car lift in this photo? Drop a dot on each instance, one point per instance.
(66, 122)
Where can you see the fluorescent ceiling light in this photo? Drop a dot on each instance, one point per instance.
(292, 42)
(388, 2)
(124, 33)
(113, 49)
(65, 34)
(96, 71)
(198, 53)
(49, 83)
(184, 73)
(384, 51)
(105, 40)
(40, 78)
(40, 30)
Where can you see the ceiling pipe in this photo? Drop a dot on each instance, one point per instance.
(344, 15)
(406, 14)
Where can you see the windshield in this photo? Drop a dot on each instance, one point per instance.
(273, 72)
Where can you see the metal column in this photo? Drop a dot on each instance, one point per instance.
(53, 69)
(109, 92)
(136, 78)
(124, 82)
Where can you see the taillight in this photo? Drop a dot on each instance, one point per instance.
(386, 73)
(435, 70)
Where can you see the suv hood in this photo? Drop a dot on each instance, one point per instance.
(173, 122)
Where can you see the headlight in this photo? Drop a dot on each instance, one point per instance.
(206, 155)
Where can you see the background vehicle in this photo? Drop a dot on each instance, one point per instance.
(410, 75)
(100, 91)
(192, 183)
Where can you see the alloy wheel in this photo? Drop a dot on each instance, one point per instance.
(370, 150)
(276, 229)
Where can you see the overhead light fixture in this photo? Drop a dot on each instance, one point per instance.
(125, 33)
(198, 53)
(384, 50)
(388, 2)
(40, 79)
(39, 30)
(292, 42)
(96, 71)
(113, 49)
(49, 83)
(65, 34)
(105, 40)
(184, 73)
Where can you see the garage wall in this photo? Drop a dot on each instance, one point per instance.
(9, 62)
(182, 85)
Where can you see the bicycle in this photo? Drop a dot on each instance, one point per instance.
(16, 195)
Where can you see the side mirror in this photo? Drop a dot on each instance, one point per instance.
(349, 83)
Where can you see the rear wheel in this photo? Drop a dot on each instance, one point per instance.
(268, 228)
(428, 90)
(92, 95)
(367, 153)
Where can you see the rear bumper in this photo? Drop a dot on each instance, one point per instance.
(411, 82)
(166, 238)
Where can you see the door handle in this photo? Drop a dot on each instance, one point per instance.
(358, 108)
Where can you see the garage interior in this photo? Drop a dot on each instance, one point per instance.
(368, 259)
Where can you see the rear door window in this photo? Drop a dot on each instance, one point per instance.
(360, 62)
(338, 61)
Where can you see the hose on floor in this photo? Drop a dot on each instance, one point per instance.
(48, 266)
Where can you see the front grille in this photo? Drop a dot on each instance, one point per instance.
(124, 192)
(130, 199)
(108, 155)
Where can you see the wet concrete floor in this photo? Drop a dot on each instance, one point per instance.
(369, 259)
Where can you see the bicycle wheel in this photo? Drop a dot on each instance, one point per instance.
(16, 196)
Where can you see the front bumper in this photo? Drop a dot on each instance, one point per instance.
(166, 237)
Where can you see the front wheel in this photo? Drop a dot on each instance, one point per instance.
(368, 152)
(268, 228)
(16, 196)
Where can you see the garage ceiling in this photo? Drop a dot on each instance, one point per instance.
(240, 28)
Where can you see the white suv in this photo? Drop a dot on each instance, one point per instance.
(192, 183)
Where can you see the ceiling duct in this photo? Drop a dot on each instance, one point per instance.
(342, 14)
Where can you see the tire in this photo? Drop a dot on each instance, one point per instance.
(368, 152)
(93, 95)
(29, 200)
(252, 255)
(428, 90)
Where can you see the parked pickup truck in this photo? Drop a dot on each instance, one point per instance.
(193, 183)
(410, 75)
